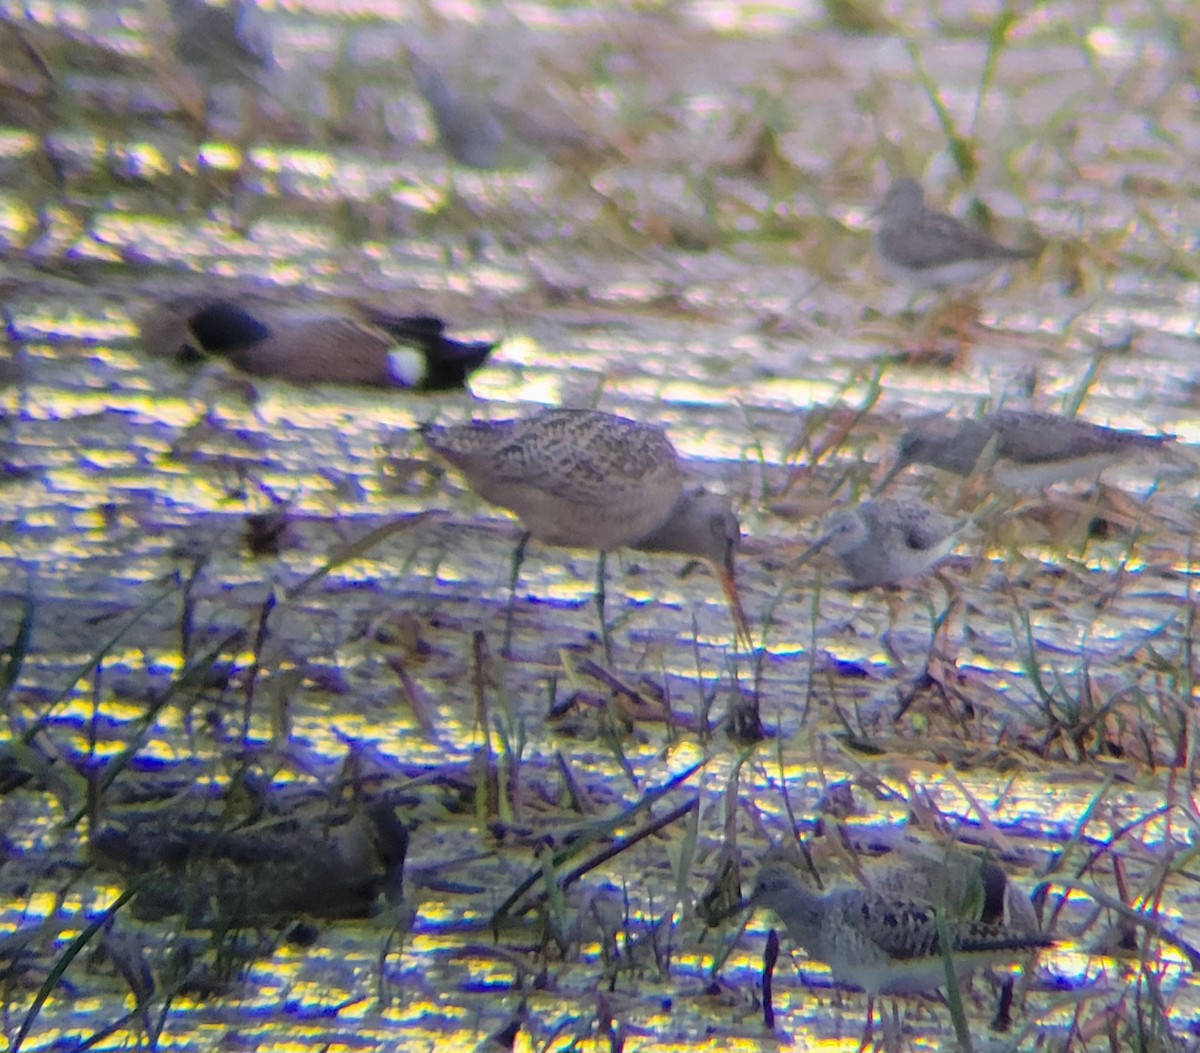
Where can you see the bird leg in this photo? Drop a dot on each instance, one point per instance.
(601, 569)
(891, 1039)
(1003, 1018)
(518, 559)
(891, 1030)
(942, 336)
(869, 1029)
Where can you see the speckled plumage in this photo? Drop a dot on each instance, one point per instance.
(587, 479)
(889, 540)
(968, 883)
(577, 478)
(879, 944)
(1028, 449)
(931, 249)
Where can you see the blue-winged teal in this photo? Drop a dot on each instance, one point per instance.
(379, 350)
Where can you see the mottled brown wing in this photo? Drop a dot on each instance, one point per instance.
(902, 929)
(587, 457)
(926, 528)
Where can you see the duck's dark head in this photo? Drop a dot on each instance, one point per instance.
(222, 328)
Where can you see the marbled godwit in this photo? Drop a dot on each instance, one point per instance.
(586, 479)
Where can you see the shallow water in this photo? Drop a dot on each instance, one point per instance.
(711, 270)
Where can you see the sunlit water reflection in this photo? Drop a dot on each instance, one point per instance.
(714, 274)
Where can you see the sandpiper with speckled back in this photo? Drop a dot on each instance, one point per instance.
(586, 479)
(933, 250)
(887, 541)
(1022, 449)
(963, 879)
(884, 945)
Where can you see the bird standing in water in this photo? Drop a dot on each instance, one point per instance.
(884, 945)
(1021, 449)
(933, 250)
(887, 540)
(586, 479)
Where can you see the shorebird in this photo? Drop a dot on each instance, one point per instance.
(468, 129)
(585, 479)
(887, 540)
(963, 880)
(484, 133)
(930, 249)
(220, 41)
(884, 945)
(202, 48)
(380, 350)
(1020, 449)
